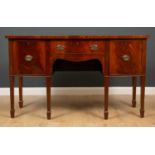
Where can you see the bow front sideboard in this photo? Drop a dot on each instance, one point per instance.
(118, 56)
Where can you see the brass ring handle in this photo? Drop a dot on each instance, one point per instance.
(28, 58)
(60, 47)
(94, 47)
(125, 57)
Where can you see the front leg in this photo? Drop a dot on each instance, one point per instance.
(20, 91)
(106, 96)
(12, 109)
(134, 82)
(48, 88)
(142, 97)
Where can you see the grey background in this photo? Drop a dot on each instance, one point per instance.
(77, 79)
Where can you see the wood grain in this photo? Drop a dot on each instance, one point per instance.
(77, 47)
(130, 48)
(20, 49)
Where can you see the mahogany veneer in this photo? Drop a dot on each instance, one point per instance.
(118, 55)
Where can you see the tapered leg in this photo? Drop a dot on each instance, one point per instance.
(142, 98)
(12, 109)
(48, 86)
(21, 92)
(134, 82)
(106, 95)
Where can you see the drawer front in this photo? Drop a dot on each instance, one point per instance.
(77, 46)
(125, 57)
(29, 57)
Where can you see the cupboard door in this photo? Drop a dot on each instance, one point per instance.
(29, 57)
(126, 57)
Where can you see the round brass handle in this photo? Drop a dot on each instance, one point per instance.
(125, 57)
(60, 47)
(28, 58)
(94, 47)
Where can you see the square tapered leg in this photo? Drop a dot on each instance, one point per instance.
(20, 92)
(48, 87)
(12, 109)
(134, 83)
(142, 96)
(106, 96)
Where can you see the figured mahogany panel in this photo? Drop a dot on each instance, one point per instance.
(77, 47)
(28, 57)
(126, 57)
(35, 55)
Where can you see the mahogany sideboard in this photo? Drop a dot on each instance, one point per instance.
(118, 56)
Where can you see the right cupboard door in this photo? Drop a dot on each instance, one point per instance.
(126, 57)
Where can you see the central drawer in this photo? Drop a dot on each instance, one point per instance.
(77, 46)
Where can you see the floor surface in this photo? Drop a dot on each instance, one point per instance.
(77, 111)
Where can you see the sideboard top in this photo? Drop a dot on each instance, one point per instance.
(79, 37)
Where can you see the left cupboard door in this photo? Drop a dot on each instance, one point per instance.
(28, 57)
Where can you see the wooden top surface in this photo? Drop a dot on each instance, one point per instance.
(79, 37)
